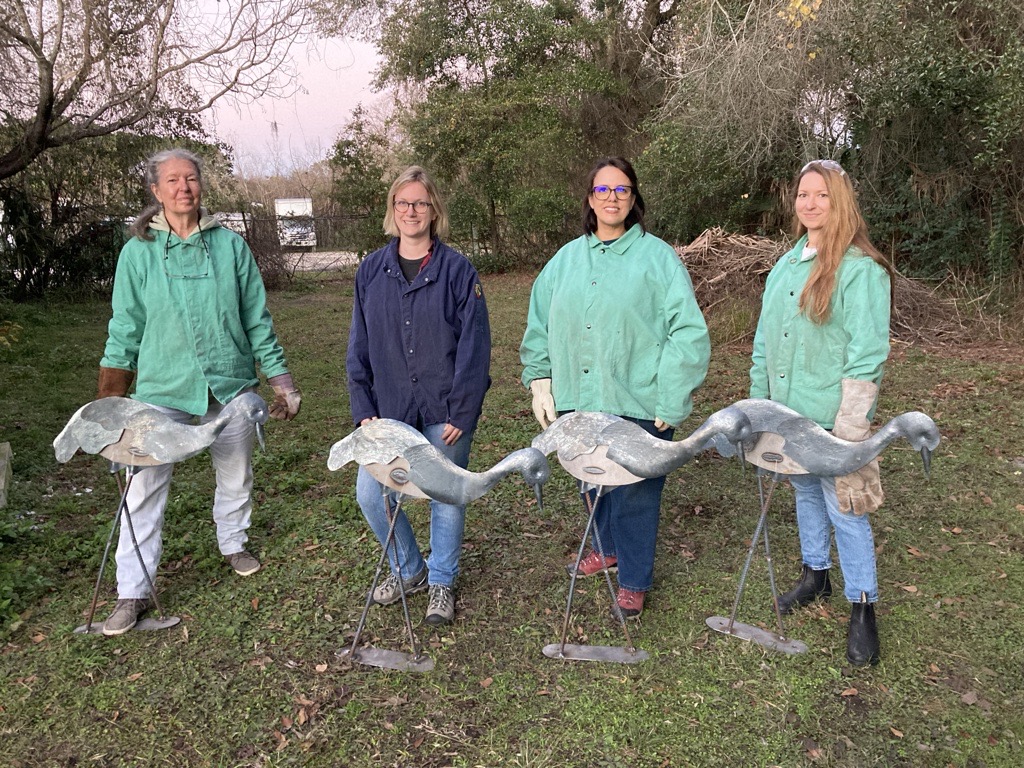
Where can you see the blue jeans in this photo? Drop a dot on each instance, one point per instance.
(627, 523)
(817, 514)
(447, 521)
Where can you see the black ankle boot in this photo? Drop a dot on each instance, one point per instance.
(862, 646)
(811, 586)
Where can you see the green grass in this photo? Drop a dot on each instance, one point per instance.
(251, 677)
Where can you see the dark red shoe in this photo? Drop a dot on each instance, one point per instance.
(591, 565)
(628, 604)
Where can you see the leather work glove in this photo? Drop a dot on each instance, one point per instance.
(861, 491)
(543, 402)
(114, 382)
(287, 397)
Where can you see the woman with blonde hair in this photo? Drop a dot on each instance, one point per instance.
(820, 347)
(419, 351)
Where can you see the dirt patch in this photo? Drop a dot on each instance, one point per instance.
(322, 261)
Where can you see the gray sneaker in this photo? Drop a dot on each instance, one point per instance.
(387, 592)
(244, 563)
(125, 616)
(441, 609)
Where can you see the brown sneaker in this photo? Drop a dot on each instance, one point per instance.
(125, 615)
(244, 563)
(628, 604)
(591, 565)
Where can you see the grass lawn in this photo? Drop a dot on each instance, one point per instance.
(252, 676)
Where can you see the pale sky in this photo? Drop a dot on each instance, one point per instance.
(334, 77)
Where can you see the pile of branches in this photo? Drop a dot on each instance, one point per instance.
(728, 269)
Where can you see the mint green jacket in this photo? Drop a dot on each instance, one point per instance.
(617, 329)
(192, 323)
(802, 364)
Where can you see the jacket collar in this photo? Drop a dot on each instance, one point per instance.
(429, 271)
(621, 245)
(206, 223)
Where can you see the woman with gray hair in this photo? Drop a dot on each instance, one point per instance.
(419, 351)
(189, 326)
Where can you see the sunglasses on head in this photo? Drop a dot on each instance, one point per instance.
(831, 165)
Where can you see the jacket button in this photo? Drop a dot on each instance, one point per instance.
(586, 370)
(588, 326)
(410, 351)
(414, 379)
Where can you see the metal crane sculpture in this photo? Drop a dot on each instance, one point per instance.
(576, 437)
(402, 460)
(786, 443)
(646, 456)
(602, 452)
(133, 436)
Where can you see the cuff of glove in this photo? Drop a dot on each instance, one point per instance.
(114, 382)
(858, 399)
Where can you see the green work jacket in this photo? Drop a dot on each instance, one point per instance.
(192, 319)
(617, 329)
(800, 363)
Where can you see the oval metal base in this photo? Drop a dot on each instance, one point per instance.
(144, 624)
(595, 653)
(757, 635)
(379, 657)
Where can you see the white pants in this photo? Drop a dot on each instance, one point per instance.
(147, 499)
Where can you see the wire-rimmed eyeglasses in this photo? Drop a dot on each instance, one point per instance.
(184, 270)
(604, 192)
(420, 206)
(830, 165)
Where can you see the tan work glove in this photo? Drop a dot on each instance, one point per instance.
(861, 491)
(287, 397)
(114, 382)
(543, 402)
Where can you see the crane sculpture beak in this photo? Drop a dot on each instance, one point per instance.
(926, 459)
(260, 437)
(537, 493)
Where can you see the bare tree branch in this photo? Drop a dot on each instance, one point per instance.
(76, 69)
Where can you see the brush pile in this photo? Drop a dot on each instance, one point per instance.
(729, 273)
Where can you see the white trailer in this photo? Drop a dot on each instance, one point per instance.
(295, 225)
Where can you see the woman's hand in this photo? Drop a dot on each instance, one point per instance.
(451, 434)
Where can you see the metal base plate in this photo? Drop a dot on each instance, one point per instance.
(379, 657)
(757, 635)
(595, 653)
(144, 624)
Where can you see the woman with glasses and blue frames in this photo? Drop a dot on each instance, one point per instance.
(190, 326)
(419, 351)
(613, 326)
(821, 343)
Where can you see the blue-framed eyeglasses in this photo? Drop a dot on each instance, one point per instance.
(604, 192)
(420, 206)
(186, 268)
(830, 165)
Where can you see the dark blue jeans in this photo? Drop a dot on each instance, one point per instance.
(627, 523)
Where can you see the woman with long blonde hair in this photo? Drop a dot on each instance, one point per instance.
(820, 347)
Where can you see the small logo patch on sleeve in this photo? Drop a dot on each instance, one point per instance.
(478, 290)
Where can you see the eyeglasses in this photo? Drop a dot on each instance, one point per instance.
(200, 270)
(604, 192)
(420, 206)
(830, 165)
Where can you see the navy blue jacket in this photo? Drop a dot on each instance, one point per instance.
(419, 352)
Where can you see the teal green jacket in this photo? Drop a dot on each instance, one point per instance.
(802, 364)
(617, 329)
(190, 318)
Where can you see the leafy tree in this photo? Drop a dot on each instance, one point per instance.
(922, 102)
(509, 102)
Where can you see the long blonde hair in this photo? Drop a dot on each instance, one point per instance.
(844, 226)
